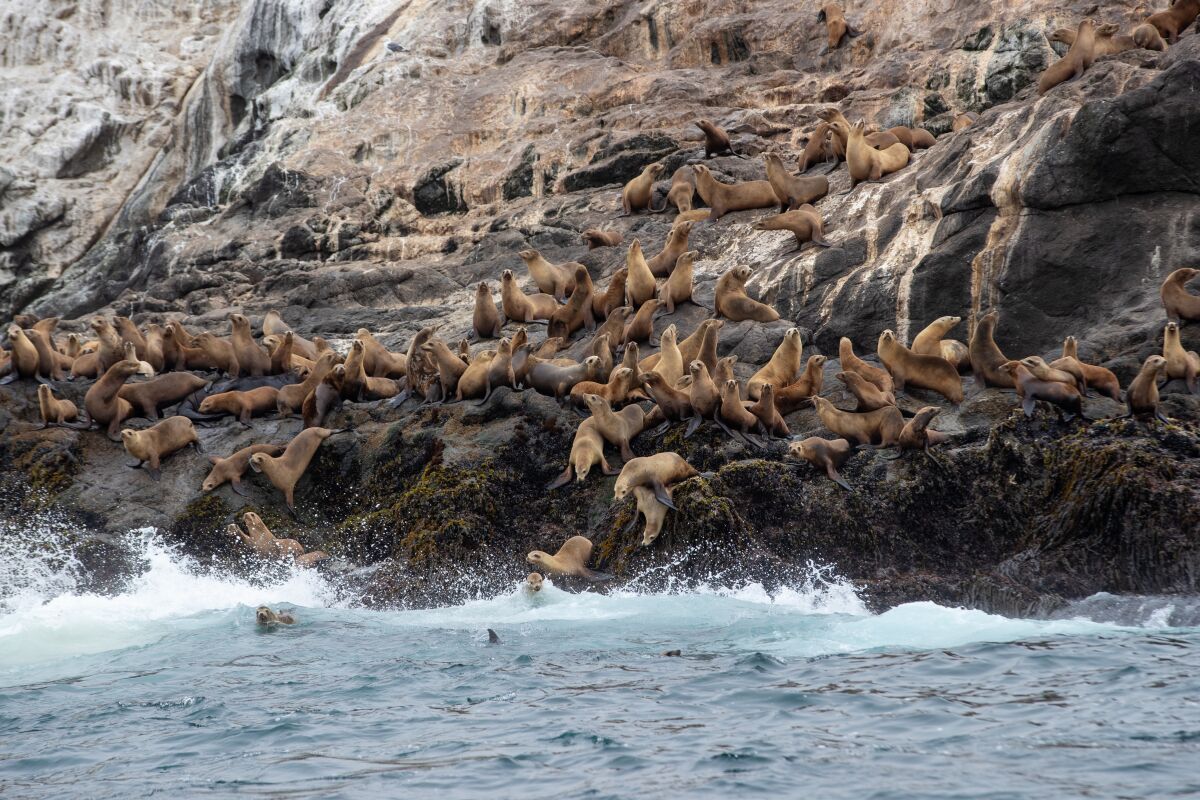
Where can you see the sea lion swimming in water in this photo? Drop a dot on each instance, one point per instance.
(533, 583)
(571, 559)
(268, 618)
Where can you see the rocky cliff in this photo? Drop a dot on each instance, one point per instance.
(364, 164)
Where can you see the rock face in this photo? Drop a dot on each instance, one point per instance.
(364, 164)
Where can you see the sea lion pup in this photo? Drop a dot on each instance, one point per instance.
(1044, 372)
(824, 454)
(1077, 60)
(924, 372)
(673, 404)
(654, 512)
(577, 313)
(852, 363)
(322, 400)
(724, 370)
(835, 23)
(158, 442)
(617, 428)
(731, 300)
(784, 367)
(930, 342)
(615, 392)
(291, 397)
(986, 358)
(499, 371)
(150, 397)
(639, 280)
(54, 411)
(917, 435)
(637, 194)
(594, 237)
(1180, 304)
(1142, 396)
(1064, 396)
(963, 121)
(733, 417)
(1098, 378)
(793, 191)
(1108, 39)
(613, 297)
(683, 187)
(881, 427)
(556, 380)
(804, 222)
(1182, 364)
(864, 162)
(641, 327)
(724, 198)
(268, 618)
(676, 245)
(242, 405)
(656, 473)
(1175, 19)
(230, 470)
(768, 415)
(485, 322)
(790, 398)
(130, 351)
(869, 396)
(556, 280)
(220, 352)
(25, 360)
(104, 406)
(449, 367)
(533, 583)
(523, 307)
(251, 359)
(716, 140)
(571, 559)
(587, 450)
(285, 471)
(1147, 37)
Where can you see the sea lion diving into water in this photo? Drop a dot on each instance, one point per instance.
(571, 559)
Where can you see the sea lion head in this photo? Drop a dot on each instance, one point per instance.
(264, 615)
(528, 255)
(704, 124)
(888, 337)
(816, 362)
(99, 324)
(742, 273)
(537, 557)
(766, 391)
(948, 322)
(483, 290)
(654, 170)
(595, 402)
(792, 336)
(731, 386)
(1036, 362)
(207, 404)
(702, 170)
(1108, 29)
(592, 364)
(581, 275)
(635, 246)
(1187, 273)
(257, 460)
(128, 435)
(697, 367)
(533, 581)
(686, 259)
(125, 367)
(1156, 363)
(357, 346)
(670, 333)
(1011, 368)
(1171, 331)
(239, 322)
(507, 276)
(799, 451)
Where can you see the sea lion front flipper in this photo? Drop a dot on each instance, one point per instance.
(236, 485)
(563, 479)
(693, 424)
(660, 494)
(1028, 404)
(154, 472)
(133, 464)
(626, 451)
(593, 576)
(661, 429)
(754, 440)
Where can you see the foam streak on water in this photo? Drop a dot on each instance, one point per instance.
(170, 687)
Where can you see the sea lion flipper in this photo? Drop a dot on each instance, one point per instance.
(563, 479)
(593, 576)
(154, 472)
(133, 464)
(660, 494)
(1028, 405)
(693, 424)
(236, 485)
(837, 478)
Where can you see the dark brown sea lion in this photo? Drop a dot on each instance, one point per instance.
(638, 192)
(716, 140)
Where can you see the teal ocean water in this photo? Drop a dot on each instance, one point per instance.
(170, 689)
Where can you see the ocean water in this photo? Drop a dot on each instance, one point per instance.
(170, 689)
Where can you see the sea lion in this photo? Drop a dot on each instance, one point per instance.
(587, 450)
(285, 471)
(1142, 395)
(852, 363)
(638, 192)
(924, 372)
(326, 397)
(571, 559)
(158, 442)
(986, 358)
(641, 327)
(555, 380)
(149, 398)
(784, 366)
(805, 223)
(724, 370)
(716, 140)
(219, 352)
(1098, 378)
(864, 162)
(654, 512)
(533, 583)
(291, 397)
(733, 302)
(618, 428)
(733, 416)
(695, 215)
(673, 405)
(703, 395)
(49, 365)
(917, 435)
(677, 244)
(639, 280)
(869, 396)
(1077, 60)
(1044, 372)
(1109, 40)
(129, 332)
(230, 470)
(881, 427)
(656, 473)
(835, 25)
(485, 322)
(790, 398)
(818, 147)
(102, 401)
(913, 138)
(702, 345)
(577, 313)
(449, 367)
(242, 405)
(53, 410)
(378, 361)
(1182, 364)
(472, 383)
(251, 358)
(683, 187)
(824, 454)
(521, 307)
(614, 326)
(1147, 37)
(793, 191)
(670, 362)
(265, 544)
(1179, 303)
(1175, 19)
(839, 133)
(615, 392)
(25, 360)
(768, 415)
(1064, 396)
(612, 298)
(594, 237)
(723, 198)
(931, 342)
(268, 618)
(354, 385)
(273, 325)
(280, 352)
(499, 371)
(963, 121)
(556, 280)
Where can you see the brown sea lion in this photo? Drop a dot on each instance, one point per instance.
(25, 360)
(485, 322)
(673, 404)
(702, 344)
(654, 512)
(733, 417)
(594, 237)
(557, 381)
(230, 470)
(378, 361)
(102, 401)
(521, 307)
(280, 352)
(703, 394)
(1182, 364)
(1064, 396)
(864, 162)
(1077, 60)
(656, 473)
(723, 198)
(924, 372)
(964, 121)
(641, 326)
(793, 191)
(881, 427)
(49, 365)
(449, 367)
(615, 392)
(242, 405)
(804, 222)
(824, 454)
(1098, 378)
(931, 341)
(1147, 37)
(986, 358)
(326, 397)
(852, 363)
(840, 129)
(264, 616)
(273, 325)
(577, 313)
(571, 559)
(587, 450)
(733, 302)
(500, 371)
(614, 325)
(129, 332)
(158, 442)
(53, 410)
(639, 280)
(768, 415)
(1142, 395)
(1179, 303)
(917, 435)
(285, 471)
(149, 398)
(818, 148)
(784, 366)
(670, 362)
(677, 244)
(1175, 19)
(913, 138)
(716, 140)
(533, 582)
(556, 280)
(724, 370)
(219, 352)
(291, 397)
(869, 396)
(836, 26)
(612, 298)
(683, 188)
(790, 398)
(251, 358)
(1044, 372)
(637, 194)
(618, 428)
(265, 544)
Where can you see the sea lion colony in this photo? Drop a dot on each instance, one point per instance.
(142, 371)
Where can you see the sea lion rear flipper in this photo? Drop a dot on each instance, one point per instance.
(199, 448)
(660, 494)
(563, 479)
(821, 242)
(9, 378)
(593, 576)
(133, 464)
(661, 429)
(399, 399)
(836, 477)
(754, 440)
